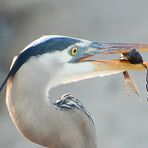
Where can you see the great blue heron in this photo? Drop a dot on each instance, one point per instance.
(48, 62)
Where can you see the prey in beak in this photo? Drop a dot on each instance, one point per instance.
(129, 59)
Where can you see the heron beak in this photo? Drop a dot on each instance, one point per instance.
(116, 48)
(128, 58)
(122, 63)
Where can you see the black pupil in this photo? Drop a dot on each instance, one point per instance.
(75, 50)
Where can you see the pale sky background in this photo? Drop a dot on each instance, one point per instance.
(121, 121)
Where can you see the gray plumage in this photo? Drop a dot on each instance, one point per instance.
(64, 124)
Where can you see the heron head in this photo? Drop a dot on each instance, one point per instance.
(78, 61)
(69, 59)
(65, 59)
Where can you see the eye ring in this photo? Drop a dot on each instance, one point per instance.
(74, 51)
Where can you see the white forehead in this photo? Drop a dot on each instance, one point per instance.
(83, 44)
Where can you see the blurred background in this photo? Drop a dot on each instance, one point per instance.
(121, 121)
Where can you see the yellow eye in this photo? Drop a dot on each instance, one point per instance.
(74, 51)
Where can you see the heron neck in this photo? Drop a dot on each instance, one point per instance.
(28, 103)
(37, 119)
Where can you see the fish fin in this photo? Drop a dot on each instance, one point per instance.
(130, 84)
